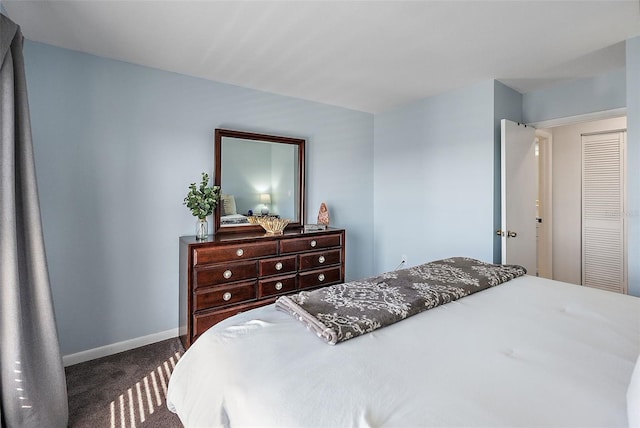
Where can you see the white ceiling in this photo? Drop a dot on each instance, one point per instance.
(364, 55)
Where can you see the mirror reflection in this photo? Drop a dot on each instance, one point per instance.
(258, 175)
(258, 178)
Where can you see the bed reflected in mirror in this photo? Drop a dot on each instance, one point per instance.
(258, 174)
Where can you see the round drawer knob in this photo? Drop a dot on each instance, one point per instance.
(314, 243)
(321, 259)
(278, 266)
(226, 296)
(239, 252)
(278, 285)
(227, 274)
(321, 277)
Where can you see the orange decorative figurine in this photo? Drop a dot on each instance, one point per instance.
(323, 214)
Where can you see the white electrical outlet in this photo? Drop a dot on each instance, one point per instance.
(404, 258)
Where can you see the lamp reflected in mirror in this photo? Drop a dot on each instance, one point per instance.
(265, 200)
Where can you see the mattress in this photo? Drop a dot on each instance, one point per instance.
(528, 353)
(235, 219)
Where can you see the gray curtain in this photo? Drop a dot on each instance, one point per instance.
(34, 391)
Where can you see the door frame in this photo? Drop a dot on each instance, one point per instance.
(545, 245)
(587, 117)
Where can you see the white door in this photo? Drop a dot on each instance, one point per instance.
(519, 175)
(603, 211)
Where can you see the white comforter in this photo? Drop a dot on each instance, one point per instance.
(531, 352)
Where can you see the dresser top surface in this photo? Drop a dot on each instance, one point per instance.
(222, 238)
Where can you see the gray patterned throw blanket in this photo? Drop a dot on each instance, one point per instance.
(343, 311)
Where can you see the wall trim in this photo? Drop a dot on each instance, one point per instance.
(114, 348)
(587, 117)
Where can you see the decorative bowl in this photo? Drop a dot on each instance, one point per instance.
(272, 225)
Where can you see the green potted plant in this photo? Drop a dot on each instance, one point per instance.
(202, 200)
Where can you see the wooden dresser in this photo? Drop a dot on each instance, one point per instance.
(235, 272)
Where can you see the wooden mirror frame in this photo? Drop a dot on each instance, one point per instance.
(300, 143)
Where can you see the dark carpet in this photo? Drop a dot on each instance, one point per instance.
(124, 390)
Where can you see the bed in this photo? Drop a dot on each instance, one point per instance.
(529, 352)
(234, 219)
(229, 213)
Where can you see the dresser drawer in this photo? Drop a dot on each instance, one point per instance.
(320, 259)
(275, 286)
(279, 265)
(320, 277)
(203, 320)
(232, 252)
(225, 273)
(310, 243)
(210, 297)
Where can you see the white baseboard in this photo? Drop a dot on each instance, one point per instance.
(114, 348)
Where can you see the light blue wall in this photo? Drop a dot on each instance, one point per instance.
(434, 179)
(116, 147)
(400, 216)
(507, 105)
(577, 97)
(633, 160)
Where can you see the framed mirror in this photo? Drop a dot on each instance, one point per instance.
(258, 174)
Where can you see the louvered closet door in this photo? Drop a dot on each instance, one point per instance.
(603, 208)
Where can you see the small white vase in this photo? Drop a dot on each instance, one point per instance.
(202, 229)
